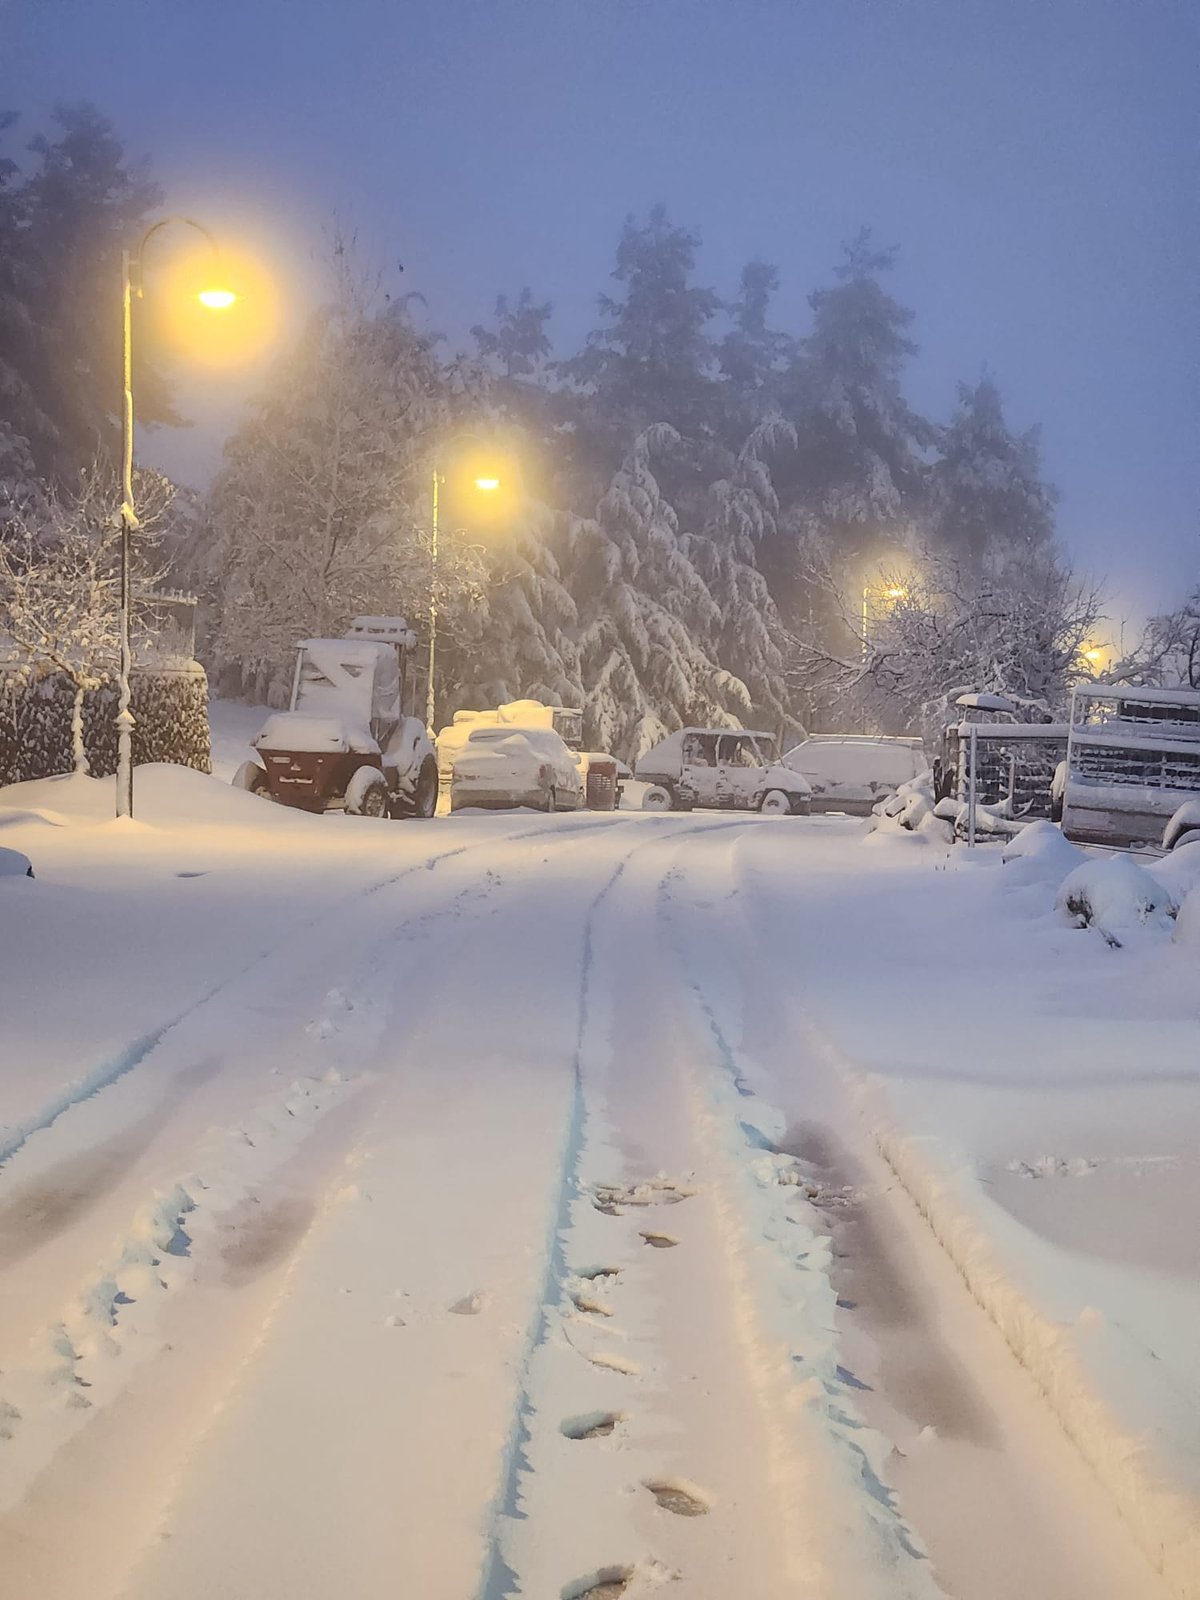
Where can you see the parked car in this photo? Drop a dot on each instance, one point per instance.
(852, 772)
(499, 767)
(734, 770)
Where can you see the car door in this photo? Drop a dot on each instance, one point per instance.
(739, 771)
(700, 776)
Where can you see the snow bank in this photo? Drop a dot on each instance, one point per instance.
(1116, 896)
(164, 796)
(1040, 854)
(1163, 1521)
(1187, 926)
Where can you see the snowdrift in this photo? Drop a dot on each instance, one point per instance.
(164, 797)
(1117, 897)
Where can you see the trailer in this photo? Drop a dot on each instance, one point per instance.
(1132, 764)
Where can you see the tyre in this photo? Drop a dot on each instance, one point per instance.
(424, 797)
(253, 778)
(656, 798)
(776, 803)
(367, 793)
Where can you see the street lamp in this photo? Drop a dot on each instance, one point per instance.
(215, 298)
(893, 593)
(486, 484)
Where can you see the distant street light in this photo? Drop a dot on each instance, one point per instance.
(893, 593)
(486, 484)
(215, 298)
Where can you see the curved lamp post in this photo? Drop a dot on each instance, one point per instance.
(214, 298)
(486, 484)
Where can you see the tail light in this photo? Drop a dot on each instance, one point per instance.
(544, 773)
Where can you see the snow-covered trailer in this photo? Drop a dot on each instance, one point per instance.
(1015, 764)
(1133, 759)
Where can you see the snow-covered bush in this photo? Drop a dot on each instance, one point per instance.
(1040, 854)
(36, 740)
(1180, 869)
(1116, 896)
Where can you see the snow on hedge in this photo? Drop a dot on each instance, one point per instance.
(1118, 897)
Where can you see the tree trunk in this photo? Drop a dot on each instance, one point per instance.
(77, 749)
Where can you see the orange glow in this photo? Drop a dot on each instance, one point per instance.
(216, 299)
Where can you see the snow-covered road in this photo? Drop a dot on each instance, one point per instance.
(482, 1208)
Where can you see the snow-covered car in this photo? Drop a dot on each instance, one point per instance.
(15, 865)
(728, 770)
(499, 767)
(1184, 826)
(852, 772)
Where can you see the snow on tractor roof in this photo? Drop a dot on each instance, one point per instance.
(355, 679)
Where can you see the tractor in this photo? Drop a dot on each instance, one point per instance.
(345, 743)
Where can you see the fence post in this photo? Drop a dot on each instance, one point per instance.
(973, 754)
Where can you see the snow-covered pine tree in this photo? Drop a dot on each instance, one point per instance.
(856, 483)
(518, 343)
(652, 360)
(752, 355)
(645, 613)
(989, 502)
(749, 638)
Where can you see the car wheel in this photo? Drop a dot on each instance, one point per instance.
(776, 803)
(367, 793)
(253, 778)
(656, 798)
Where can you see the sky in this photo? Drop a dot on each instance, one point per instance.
(1034, 161)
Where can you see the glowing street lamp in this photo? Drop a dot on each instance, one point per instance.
(486, 484)
(215, 297)
(893, 592)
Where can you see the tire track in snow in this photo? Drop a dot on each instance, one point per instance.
(497, 1579)
(14, 1135)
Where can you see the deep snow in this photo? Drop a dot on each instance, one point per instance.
(354, 1173)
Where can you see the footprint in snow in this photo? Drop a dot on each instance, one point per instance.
(682, 1500)
(591, 1425)
(607, 1584)
(469, 1306)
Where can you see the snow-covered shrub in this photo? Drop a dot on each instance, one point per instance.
(1180, 869)
(170, 707)
(1117, 896)
(1040, 854)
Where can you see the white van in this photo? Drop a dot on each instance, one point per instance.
(851, 772)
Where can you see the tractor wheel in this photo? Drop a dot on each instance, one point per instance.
(425, 795)
(367, 793)
(253, 778)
